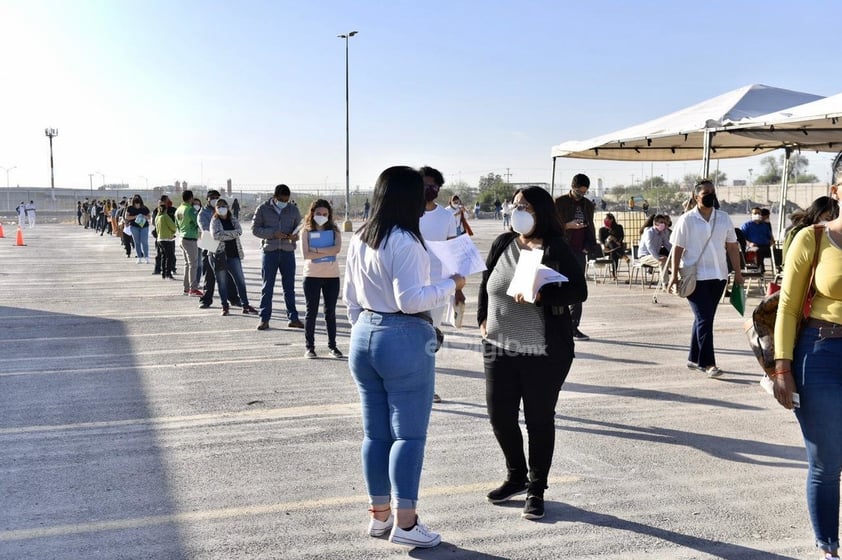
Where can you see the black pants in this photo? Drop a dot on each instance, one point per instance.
(128, 243)
(166, 250)
(313, 288)
(536, 380)
(576, 308)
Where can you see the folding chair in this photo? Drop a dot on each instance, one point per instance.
(641, 271)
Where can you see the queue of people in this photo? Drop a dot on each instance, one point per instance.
(395, 292)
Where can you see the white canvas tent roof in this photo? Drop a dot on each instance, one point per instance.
(681, 135)
(815, 126)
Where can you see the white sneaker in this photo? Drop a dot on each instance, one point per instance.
(419, 536)
(139, 260)
(714, 371)
(147, 260)
(378, 528)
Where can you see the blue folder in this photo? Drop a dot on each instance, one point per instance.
(323, 238)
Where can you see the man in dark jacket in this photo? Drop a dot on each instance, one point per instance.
(576, 213)
(276, 222)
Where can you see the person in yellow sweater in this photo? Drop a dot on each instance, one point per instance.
(809, 365)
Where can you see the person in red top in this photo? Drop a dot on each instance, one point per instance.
(576, 213)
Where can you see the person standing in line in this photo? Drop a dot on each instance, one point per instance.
(276, 222)
(527, 347)
(79, 212)
(206, 214)
(137, 216)
(576, 213)
(188, 228)
(321, 242)
(235, 208)
(477, 210)
(458, 210)
(759, 238)
(227, 259)
(21, 209)
(388, 294)
(125, 229)
(166, 203)
(807, 363)
(437, 224)
(165, 229)
(705, 237)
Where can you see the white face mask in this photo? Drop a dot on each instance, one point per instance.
(222, 211)
(756, 217)
(320, 220)
(198, 207)
(523, 222)
(213, 202)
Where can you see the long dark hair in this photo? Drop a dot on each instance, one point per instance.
(398, 201)
(547, 222)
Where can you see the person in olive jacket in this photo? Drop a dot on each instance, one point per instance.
(527, 347)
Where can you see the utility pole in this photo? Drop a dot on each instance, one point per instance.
(51, 133)
(91, 181)
(508, 176)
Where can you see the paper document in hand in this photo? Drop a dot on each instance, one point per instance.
(458, 256)
(531, 275)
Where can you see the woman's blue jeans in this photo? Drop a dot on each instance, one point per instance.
(817, 370)
(140, 235)
(392, 359)
(233, 266)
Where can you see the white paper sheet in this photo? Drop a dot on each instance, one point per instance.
(458, 256)
(531, 275)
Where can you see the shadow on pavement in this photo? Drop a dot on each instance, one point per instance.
(731, 449)
(79, 452)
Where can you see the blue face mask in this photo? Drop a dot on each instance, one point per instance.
(280, 204)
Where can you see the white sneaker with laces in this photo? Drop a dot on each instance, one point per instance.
(419, 536)
(714, 371)
(378, 528)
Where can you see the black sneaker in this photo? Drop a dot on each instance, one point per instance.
(507, 491)
(295, 324)
(204, 305)
(534, 508)
(264, 325)
(579, 335)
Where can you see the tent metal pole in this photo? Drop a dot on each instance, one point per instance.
(706, 154)
(782, 201)
(552, 181)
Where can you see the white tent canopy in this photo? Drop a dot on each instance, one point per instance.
(814, 126)
(684, 134)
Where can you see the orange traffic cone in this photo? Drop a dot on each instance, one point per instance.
(2, 233)
(19, 242)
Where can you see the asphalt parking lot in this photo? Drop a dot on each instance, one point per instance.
(135, 425)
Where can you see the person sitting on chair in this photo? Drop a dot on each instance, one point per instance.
(611, 236)
(655, 244)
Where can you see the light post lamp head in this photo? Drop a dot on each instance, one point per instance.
(51, 132)
(347, 35)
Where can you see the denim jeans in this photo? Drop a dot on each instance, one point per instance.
(818, 380)
(703, 301)
(234, 269)
(313, 288)
(140, 236)
(391, 357)
(272, 262)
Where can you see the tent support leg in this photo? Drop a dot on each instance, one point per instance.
(784, 188)
(552, 181)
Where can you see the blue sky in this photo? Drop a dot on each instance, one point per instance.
(160, 91)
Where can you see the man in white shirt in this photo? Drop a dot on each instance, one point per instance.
(437, 224)
(30, 213)
(702, 237)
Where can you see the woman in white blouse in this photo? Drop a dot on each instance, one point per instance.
(391, 355)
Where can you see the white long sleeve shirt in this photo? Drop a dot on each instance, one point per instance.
(394, 278)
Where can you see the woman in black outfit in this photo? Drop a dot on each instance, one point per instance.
(611, 236)
(527, 348)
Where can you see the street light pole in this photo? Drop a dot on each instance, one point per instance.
(348, 226)
(7, 170)
(91, 181)
(52, 133)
